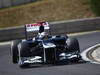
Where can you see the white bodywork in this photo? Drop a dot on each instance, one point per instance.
(36, 59)
(67, 56)
(49, 45)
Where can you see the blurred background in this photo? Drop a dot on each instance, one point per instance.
(20, 12)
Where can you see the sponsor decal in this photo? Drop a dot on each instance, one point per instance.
(35, 26)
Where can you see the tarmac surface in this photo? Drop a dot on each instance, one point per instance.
(86, 68)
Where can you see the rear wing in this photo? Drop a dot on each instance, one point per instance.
(35, 27)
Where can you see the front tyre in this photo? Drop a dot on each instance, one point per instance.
(24, 52)
(14, 51)
(73, 44)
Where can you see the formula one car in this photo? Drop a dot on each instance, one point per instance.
(44, 48)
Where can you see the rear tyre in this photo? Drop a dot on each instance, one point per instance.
(14, 51)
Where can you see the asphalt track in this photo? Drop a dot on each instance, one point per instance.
(86, 41)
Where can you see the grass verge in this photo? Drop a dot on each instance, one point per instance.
(45, 10)
(95, 6)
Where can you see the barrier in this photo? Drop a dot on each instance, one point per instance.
(61, 27)
(8, 3)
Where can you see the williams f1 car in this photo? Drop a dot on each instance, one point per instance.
(44, 48)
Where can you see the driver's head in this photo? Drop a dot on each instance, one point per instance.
(41, 28)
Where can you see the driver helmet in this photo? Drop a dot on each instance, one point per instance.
(42, 35)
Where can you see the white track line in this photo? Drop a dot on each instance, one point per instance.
(84, 54)
(5, 43)
(83, 33)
